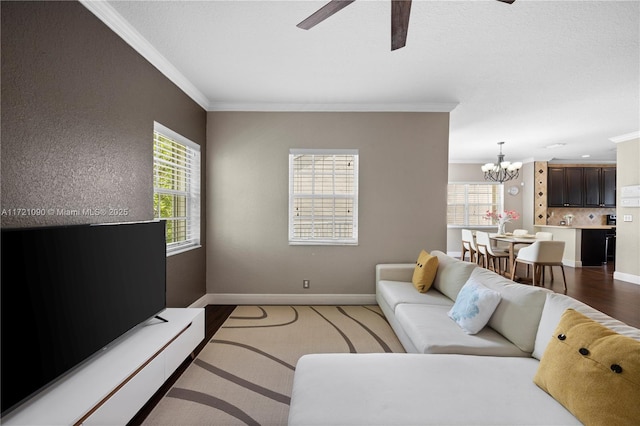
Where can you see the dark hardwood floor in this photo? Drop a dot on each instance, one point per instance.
(594, 286)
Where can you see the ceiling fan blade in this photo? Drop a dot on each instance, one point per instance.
(507, 1)
(400, 11)
(323, 13)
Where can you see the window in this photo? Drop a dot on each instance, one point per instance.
(176, 188)
(323, 196)
(467, 203)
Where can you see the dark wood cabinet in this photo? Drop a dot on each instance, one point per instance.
(565, 186)
(581, 187)
(608, 194)
(555, 187)
(600, 186)
(593, 247)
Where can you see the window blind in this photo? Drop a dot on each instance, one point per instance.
(323, 196)
(176, 188)
(467, 203)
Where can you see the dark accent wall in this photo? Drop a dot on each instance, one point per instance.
(78, 106)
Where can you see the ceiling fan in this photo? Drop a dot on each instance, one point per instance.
(400, 11)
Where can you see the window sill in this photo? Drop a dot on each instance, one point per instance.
(183, 249)
(322, 243)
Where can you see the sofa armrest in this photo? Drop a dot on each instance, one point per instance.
(394, 272)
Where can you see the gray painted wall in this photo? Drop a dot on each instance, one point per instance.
(403, 180)
(78, 106)
(628, 233)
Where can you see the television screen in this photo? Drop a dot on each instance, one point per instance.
(69, 291)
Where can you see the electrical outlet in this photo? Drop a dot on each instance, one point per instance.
(306, 283)
(628, 218)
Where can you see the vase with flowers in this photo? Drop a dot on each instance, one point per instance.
(502, 218)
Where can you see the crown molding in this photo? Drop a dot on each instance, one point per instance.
(111, 18)
(334, 107)
(625, 138)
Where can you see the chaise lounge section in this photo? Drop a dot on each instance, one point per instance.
(450, 377)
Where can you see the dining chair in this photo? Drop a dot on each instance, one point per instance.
(544, 236)
(491, 255)
(519, 233)
(541, 254)
(468, 245)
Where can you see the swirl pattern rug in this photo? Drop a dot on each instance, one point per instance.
(244, 375)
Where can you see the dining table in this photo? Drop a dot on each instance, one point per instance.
(512, 241)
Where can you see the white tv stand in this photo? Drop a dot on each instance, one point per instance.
(112, 386)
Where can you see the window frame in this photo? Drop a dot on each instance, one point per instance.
(192, 193)
(352, 240)
(499, 206)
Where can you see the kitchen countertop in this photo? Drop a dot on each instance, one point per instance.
(578, 227)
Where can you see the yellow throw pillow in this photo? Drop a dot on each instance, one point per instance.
(425, 271)
(592, 371)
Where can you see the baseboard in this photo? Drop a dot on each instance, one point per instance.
(633, 279)
(201, 302)
(287, 299)
(572, 263)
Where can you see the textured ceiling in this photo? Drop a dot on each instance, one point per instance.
(532, 74)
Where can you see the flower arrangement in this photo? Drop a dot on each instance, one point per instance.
(502, 218)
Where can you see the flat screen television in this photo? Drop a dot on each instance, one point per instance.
(67, 292)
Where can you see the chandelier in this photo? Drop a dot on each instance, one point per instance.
(503, 170)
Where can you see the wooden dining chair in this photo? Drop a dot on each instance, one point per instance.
(492, 256)
(468, 245)
(541, 254)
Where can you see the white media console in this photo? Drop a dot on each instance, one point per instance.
(112, 386)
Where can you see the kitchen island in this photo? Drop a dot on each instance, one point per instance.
(584, 245)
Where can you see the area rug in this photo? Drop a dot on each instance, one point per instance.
(244, 375)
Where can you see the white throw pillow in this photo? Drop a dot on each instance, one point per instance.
(474, 306)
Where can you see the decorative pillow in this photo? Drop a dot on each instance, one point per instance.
(474, 306)
(592, 371)
(424, 272)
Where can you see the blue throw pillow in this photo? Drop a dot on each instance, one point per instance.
(474, 306)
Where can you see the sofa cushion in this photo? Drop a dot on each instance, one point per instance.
(415, 389)
(396, 292)
(554, 307)
(474, 306)
(431, 331)
(452, 274)
(424, 272)
(592, 371)
(518, 314)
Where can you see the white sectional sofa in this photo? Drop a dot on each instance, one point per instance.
(448, 377)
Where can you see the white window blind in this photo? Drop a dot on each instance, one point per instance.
(467, 203)
(323, 196)
(176, 188)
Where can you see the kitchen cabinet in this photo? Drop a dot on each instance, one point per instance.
(565, 187)
(581, 187)
(593, 245)
(600, 186)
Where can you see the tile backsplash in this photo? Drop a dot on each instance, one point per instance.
(582, 216)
